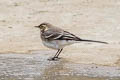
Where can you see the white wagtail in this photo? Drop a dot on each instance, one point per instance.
(57, 38)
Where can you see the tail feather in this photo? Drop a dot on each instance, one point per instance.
(93, 41)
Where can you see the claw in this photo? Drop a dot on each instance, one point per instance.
(54, 59)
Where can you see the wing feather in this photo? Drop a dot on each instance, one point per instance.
(59, 35)
(68, 36)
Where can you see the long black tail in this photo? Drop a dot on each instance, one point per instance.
(93, 41)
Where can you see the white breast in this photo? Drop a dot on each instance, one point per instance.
(57, 44)
(51, 44)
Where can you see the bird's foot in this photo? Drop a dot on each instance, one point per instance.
(54, 59)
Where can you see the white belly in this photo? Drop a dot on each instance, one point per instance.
(57, 44)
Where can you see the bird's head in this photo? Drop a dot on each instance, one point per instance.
(44, 26)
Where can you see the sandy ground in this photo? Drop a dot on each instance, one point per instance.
(89, 19)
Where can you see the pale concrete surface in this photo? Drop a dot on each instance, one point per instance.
(89, 19)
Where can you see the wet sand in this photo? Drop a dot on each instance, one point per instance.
(36, 67)
(88, 19)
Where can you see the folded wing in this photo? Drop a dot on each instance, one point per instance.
(60, 35)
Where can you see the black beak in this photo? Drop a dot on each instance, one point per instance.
(36, 26)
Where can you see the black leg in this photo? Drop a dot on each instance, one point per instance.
(59, 53)
(56, 55)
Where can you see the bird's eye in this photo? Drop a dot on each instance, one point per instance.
(42, 26)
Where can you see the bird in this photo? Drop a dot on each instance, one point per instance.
(56, 38)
